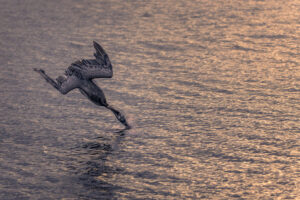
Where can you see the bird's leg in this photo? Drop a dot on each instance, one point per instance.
(47, 78)
(119, 116)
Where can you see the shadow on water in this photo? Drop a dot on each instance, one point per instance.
(91, 170)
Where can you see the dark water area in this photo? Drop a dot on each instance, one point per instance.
(212, 89)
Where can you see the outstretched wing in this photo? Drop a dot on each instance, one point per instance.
(93, 68)
(68, 84)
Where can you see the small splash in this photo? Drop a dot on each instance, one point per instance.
(131, 121)
(132, 130)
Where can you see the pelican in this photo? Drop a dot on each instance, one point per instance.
(80, 74)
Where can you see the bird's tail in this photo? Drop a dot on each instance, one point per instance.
(119, 116)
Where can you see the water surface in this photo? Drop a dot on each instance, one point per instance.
(211, 88)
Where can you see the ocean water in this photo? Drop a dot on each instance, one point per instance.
(212, 89)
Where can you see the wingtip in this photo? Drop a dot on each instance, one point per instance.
(99, 49)
(95, 43)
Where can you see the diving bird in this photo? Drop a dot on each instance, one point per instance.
(80, 74)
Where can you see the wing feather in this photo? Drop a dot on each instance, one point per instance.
(92, 68)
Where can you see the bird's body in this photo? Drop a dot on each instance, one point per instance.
(89, 89)
(80, 74)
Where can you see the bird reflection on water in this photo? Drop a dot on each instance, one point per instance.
(80, 74)
(95, 154)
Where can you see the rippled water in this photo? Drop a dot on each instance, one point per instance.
(211, 87)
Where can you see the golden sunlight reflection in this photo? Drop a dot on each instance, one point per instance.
(211, 89)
